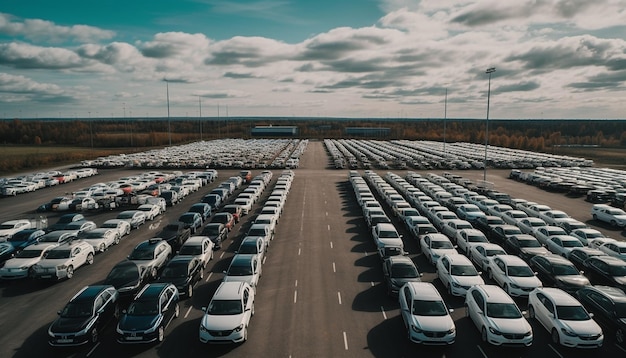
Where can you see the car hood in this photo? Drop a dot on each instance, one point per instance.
(510, 325)
(583, 328)
(434, 323)
(52, 262)
(16, 262)
(249, 279)
(441, 252)
(69, 325)
(574, 280)
(397, 242)
(619, 279)
(535, 250)
(222, 322)
(176, 281)
(120, 283)
(531, 281)
(167, 235)
(468, 280)
(138, 323)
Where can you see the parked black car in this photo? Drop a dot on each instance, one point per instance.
(64, 220)
(184, 272)
(203, 209)
(217, 232)
(608, 304)
(607, 270)
(175, 234)
(557, 271)
(24, 238)
(579, 255)
(147, 317)
(84, 316)
(127, 277)
(525, 246)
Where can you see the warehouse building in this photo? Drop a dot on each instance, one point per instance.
(374, 132)
(274, 131)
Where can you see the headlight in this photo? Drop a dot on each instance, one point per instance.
(203, 328)
(35, 267)
(456, 284)
(118, 330)
(568, 332)
(62, 267)
(451, 330)
(514, 286)
(23, 268)
(495, 331)
(416, 329)
(239, 328)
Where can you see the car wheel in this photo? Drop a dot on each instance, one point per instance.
(531, 312)
(94, 335)
(70, 272)
(595, 217)
(483, 334)
(177, 310)
(201, 274)
(89, 258)
(245, 334)
(450, 289)
(116, 241)
(161, 334)
(190, 291)
(127, 232)
(102, 247)
(116, 311)
(252, 310)
(613, 223)
(555, 337)
(619, 336)
(506, 289)
(153, 273)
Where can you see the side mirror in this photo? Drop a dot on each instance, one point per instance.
(451, 310)
(582, 272)
(59, 313)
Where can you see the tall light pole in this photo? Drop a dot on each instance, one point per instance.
(169, 128)
(90, 130)
(445, 116)
(489, 71)
(200, 115)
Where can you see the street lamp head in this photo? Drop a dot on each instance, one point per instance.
(490, 70)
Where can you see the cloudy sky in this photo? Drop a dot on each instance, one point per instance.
(336, 58)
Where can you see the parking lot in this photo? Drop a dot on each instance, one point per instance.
(321, 294)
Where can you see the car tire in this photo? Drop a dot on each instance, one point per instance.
(190, 291)
(102, 247)
(245, 334)
(619, 336)
(153, 273)
(127, 231)
(94, 336)
(483, 335)
(506, 289)
(70, 272)
(89, 260)
(555, 336)
(116, 241)
(252, 310)
(160, 334)
(531, 312)
(450, 289)
(489, 274)
(177, 310)
(116, 311)
(201, 274)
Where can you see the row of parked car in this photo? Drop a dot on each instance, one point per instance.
(233, 153)
(454, 255)
(30, 182)
(401, 154)
(597, 185)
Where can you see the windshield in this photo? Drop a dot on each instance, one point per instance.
(109, 225)
(141, 254)
(256, 232)
(463, 270)
(441, 245)
(520, 271)
(211, 230)
(494, 252)
(190, 250)
(404, 271)
(92, 235)
(125, 215)
(50, 238)
(620, 309)
(28, 254)
(476, 238)
(225, 307)
(529, 243)
(429, 308)
(565, 270)
(388, 234)
(503, 310)
(240, 270)
(262, 221)
(175, 270)
(143, 308)
(126, 273)
(6, 226)
(572, 313)
(617, 270)
(20, 236)
(572, 243)
(58, 254)
(77, 310)
(187, 218)
(248, 248)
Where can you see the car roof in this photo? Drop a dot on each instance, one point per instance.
(556, 259)
(494, 294)
(386, 226)
(613, 293)
(195, 240)
(611, 260)
(152, 290)
(559, 297)
(400, 259)
(89, 292)
(229, 290)
(242, 258)
(457, 259)
(425, 291)
(511, 259)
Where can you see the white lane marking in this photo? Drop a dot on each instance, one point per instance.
(296, 283)
(325, 202)
(93, 349)
(365, 253)
(222, 255)
(345, 340)
(334, 268)
(208, 277)
(328, 226)
(555, 351)
(482, 352)
(327, 213)
(188, 311)
(372, 283)
(299, 251)
(331, 244)
(339, 296)
(618, 346)
(264, 258)
(295, 296)
(383, 311)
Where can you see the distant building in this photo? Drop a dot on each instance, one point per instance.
(367, 131)
(274, 131)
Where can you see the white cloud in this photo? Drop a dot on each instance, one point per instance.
(42, 30)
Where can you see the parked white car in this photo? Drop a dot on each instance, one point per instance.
(615, 248)
(435, 245)
(200, 247)
(62, 261)
(101, 238)
(150, 210)
(609, 214)
(497, 317)
(8, 228)
(228, 314)
(513, 274)
(466, 238)
(480, 253)
(457, 274)
(562, 244)
(20, 266)
(425, 314)
(565, 318)
(122, 226)
(386, 235)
